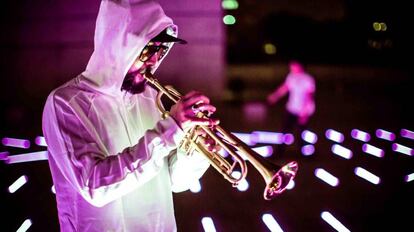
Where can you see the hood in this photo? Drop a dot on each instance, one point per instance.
(123, 28)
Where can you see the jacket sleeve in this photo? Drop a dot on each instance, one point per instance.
(100, 177)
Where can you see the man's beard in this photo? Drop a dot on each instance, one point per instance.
(131, 86)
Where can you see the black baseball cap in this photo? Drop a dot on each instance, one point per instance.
(163, 36)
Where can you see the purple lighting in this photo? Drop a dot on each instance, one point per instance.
(308, 150)
(334, 135)
(341, 151)
(28, 157)
(326, 177)
(409, 177)
(369, 149)
(13, 142)
(364, 174)
(360, 135)
(309, 136)
(264, 151)
(332, 221)
(288, 139)
(267, 137)
(271, 223)
(402, 149)
(4, 155)
(386, 135)
(407, 134)
(245, 138)
(40, 141)
(17, 184)
(208, 224)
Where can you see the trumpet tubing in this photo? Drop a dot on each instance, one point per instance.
(276, 177)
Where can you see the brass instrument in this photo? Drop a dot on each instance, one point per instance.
(276, 177)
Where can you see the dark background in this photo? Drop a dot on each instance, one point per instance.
(364, 81)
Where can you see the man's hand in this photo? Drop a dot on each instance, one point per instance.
(185, 111)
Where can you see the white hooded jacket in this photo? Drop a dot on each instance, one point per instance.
(113, 161)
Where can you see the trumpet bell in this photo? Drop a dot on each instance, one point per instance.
(280, 180)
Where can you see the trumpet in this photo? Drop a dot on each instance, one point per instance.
(276, 177)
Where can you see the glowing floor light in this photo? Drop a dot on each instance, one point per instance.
(341, 151)
(334, 135)
(309, 136)
(308, 150)
(208, 224)
(13, 142)
(386, 135)
(25, 226)
(195, 187)
(271, 223)
(267, 137)
(264, 151)
(243, 184)
(407, 134)
(326, 177)
(288, 139)
(40, 141)
(409, 177)
(17, 184)
(53, 189)
(372, 150)
(245, 138)
(332, 221)
(27, 157)
(402, 149)
(360, 135)
(290, 185)
(4, 155)
(364, 174)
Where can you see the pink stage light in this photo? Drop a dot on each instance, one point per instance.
(372, 150)
(28, 157)
(364, 174)
(360, 135)
(13, 142)
(326, 177)
(25, 226)
(264, 151)
(308, 150)
(245, 138)
(309, 136)
(334, 135)
(4, 155)
(386, 135)
(208, 224)
(341, 151)
(267, 137)
(288, 139)
(332, 221)
(40, 141)
(402, 149)
(271, 223)
(17, 184)
(407, 134)
(409, 177)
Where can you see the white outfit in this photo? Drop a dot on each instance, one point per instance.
(301, 87)
(113, 161)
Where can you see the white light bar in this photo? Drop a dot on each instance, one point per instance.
(372, 150)
(407, 134)
(195, 187)
(243, 184)
(360, 135)
(290, 185)
(13, 142)
(309, 136)
(332, 221)
(364, 174)
(409, 177)
(17, 184)
(341, 151)
(40, 141)
(334, 135)
(245, 138)
(327, 177)
(264, 151)
(208, 224)
(308, 150)
(25, 226)
(28, 157)
(267, 137)
(271, 223)
(386, 135)
(402, 149)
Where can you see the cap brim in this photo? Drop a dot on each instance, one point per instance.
(164, 37)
